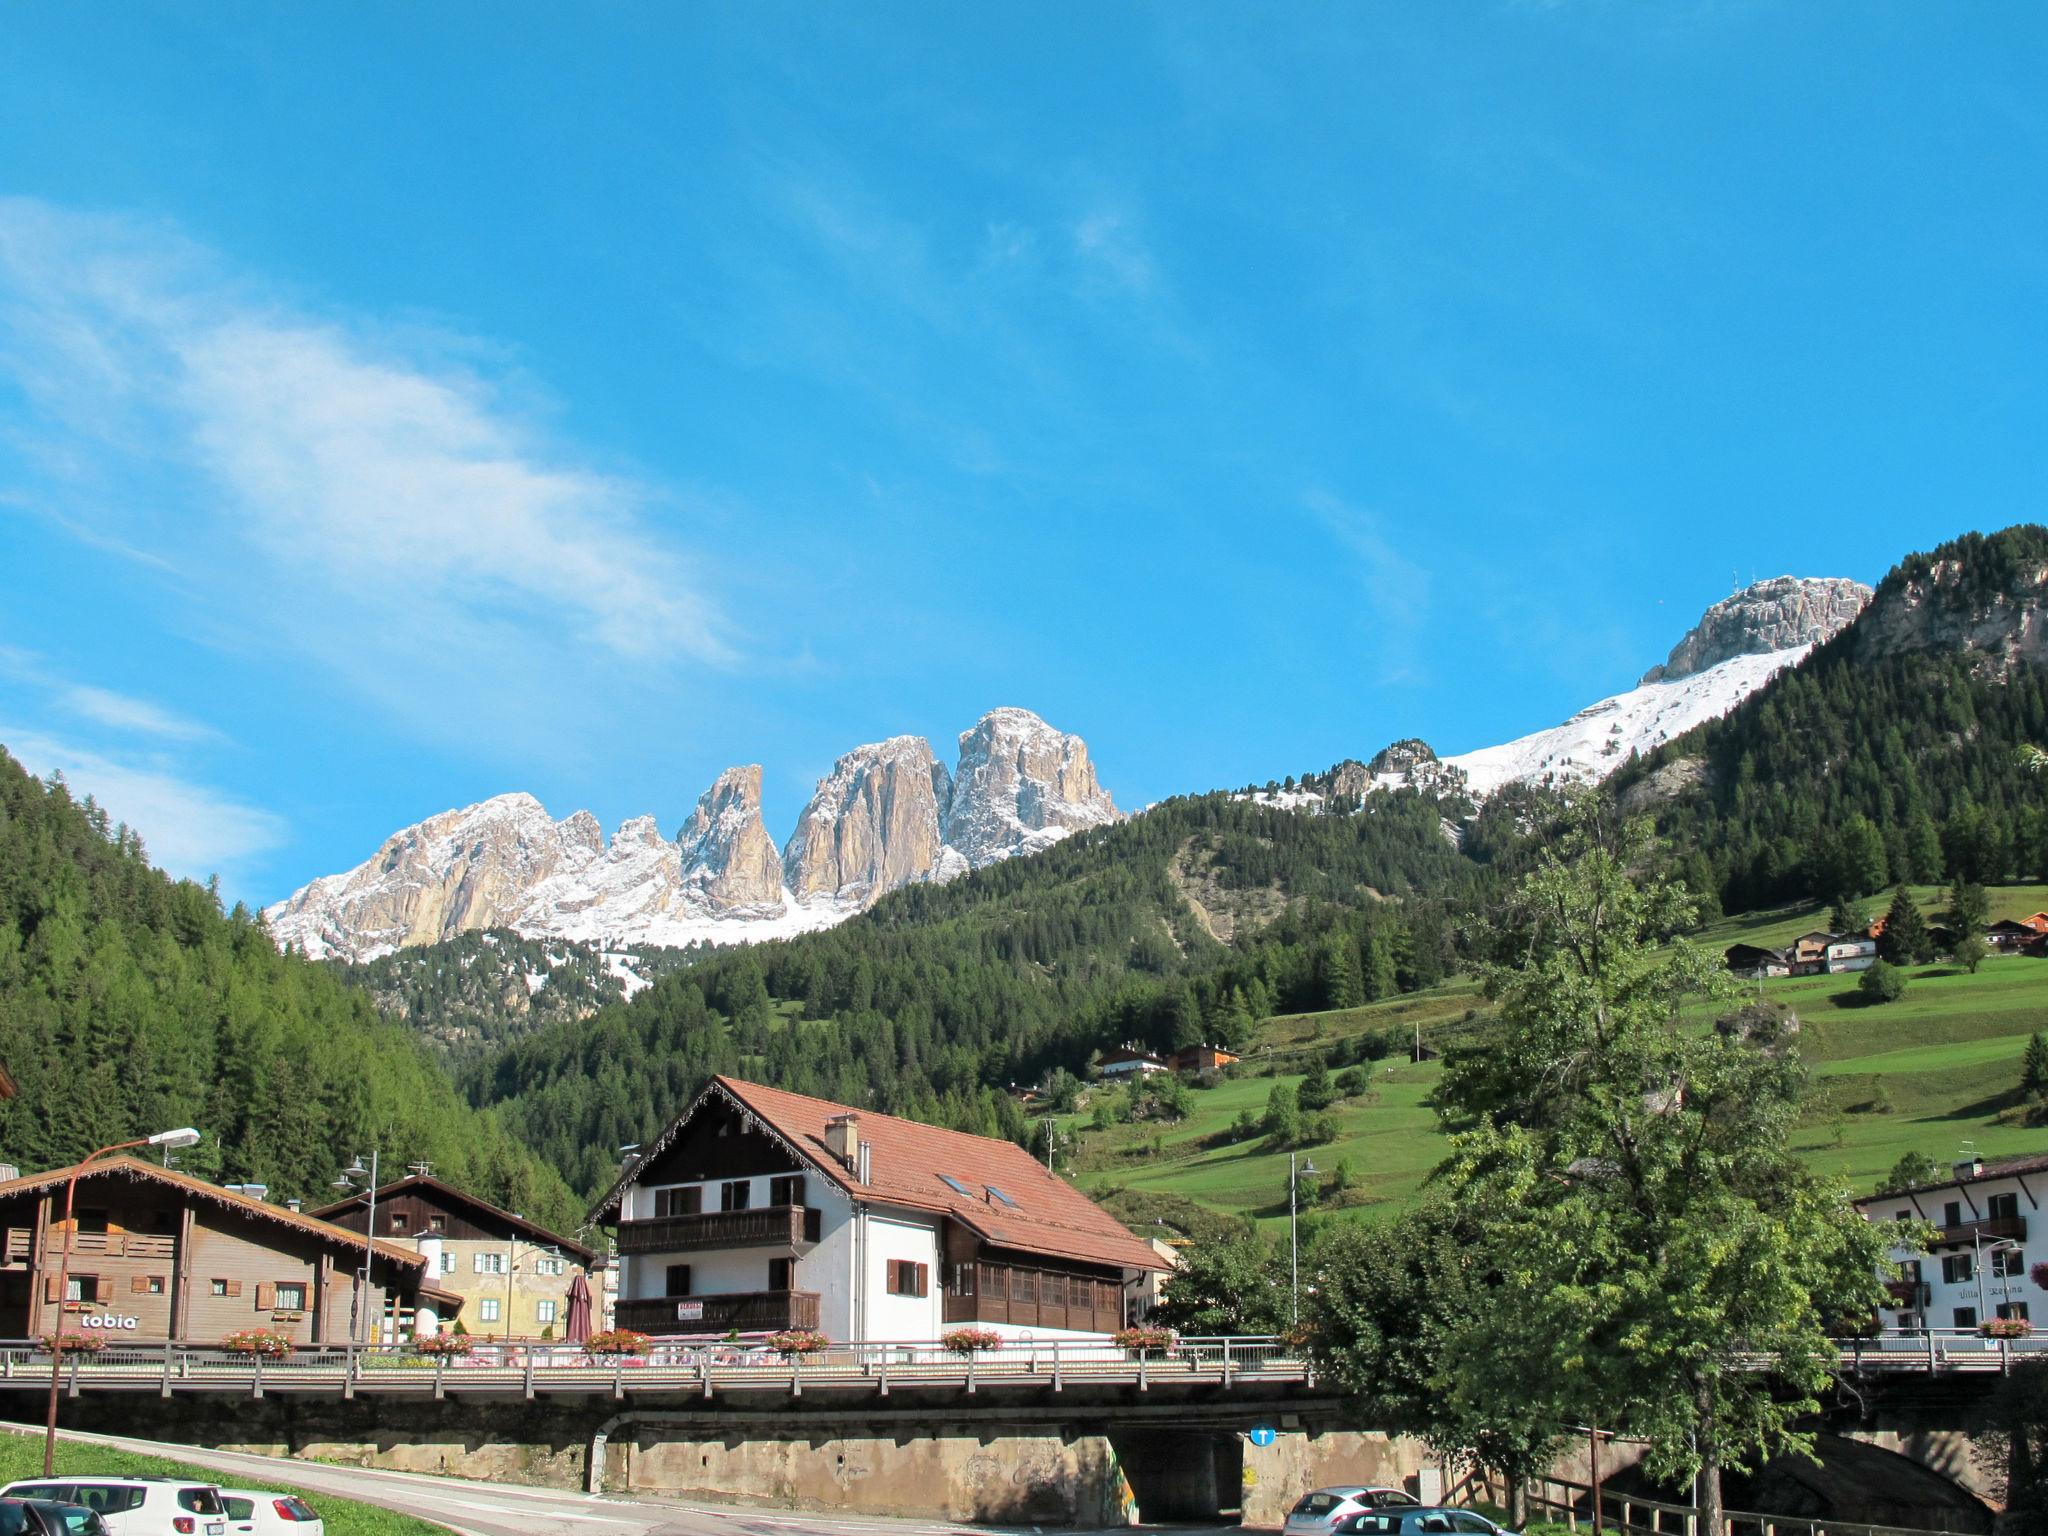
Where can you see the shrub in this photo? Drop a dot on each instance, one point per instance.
(965, 1341)
(797, 1341)
(615, 1341)
(443, 1344)
(259, 1341)
(1882, 983)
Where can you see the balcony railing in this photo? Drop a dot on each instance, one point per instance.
(1968, 1232)
(20, 1245)
(734, 1312)
(771, 1226)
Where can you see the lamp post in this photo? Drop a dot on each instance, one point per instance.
(1308, 1166)
(354, 1171)
(2003, 1244)
(186, 1137)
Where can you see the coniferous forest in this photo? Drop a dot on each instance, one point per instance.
(130, 1003)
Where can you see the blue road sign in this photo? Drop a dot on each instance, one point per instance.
(1265, 1434)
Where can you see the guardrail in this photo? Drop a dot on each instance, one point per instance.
(668, 1367)
(1571, 1504)
(1934, 1350)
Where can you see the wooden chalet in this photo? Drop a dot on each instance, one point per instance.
(758, 1209)
(160, 1255)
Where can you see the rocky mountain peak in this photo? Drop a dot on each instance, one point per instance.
(871, 825)
(725, 850)
(1780, 614)
(1021, 785)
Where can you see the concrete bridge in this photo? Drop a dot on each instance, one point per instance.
(1048, 1433)
(1037, 1433)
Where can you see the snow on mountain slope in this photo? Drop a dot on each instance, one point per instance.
(1599, 738)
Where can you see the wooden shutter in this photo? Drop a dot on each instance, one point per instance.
(234, 1287)
(103, 1289)
(266, 1296)
(924, 1280)
(49, 1288)
(138, 1284)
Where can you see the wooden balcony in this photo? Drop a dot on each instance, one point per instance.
(20, 1245)
(1033, 1298)
(1966, 1234)
(740, 1311)
(771, 1226)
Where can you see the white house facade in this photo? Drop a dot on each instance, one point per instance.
(1978, 1265)
(758, 1210)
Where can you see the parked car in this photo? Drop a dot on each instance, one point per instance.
(1422, 1520)
(252, 1510)
(18, 1517)
(1319, 1513)
(69, 1519)
(134, 1506)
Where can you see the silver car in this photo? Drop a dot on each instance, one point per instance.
(1321, 1512)
(1420, 1520)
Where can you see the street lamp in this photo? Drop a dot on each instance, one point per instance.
(349, 1175)
(2003, 1244)
(185, 1137)
(1308, 1166)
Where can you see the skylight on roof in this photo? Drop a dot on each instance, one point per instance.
(1002, 1197)
(954, 1184)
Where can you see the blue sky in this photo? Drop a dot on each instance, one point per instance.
(400, 404)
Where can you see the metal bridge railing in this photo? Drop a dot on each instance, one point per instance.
(666, 1365)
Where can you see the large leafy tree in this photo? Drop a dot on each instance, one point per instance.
(1238, 1287)
(1658, 1242)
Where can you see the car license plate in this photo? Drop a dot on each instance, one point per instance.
(216, 1528)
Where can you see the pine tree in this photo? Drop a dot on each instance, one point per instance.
(2034, 1067)
(1905, 940)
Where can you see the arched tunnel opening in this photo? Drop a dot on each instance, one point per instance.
(1852, 1482)
(1181, 1476)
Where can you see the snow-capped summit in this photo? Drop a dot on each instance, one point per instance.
(881, 819)
(1738, 645)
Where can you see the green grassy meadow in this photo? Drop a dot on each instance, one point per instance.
(21, 1455)
(1935, 1070)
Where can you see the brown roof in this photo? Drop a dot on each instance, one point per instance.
(1050, 1216)
(134, 1167)
(1987, 1168)
(360, 1198)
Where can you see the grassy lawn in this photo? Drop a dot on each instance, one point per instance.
(21, 1455)
(1938, 1068)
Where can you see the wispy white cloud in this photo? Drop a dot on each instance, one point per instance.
(188, 828)
(375, 501)
(1110, 240)
(1397, 587)
(103, 706)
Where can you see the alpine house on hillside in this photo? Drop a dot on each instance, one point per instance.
(757, 1210)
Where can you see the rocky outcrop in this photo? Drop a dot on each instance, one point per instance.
(1985, 595)
(1781, 614)
(460, 870)
(872, 824)
(726, 853)
(1020, 786)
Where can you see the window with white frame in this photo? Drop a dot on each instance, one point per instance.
(490, 1263)
(544, 1311)
(488, 1310)
(447, 1263)
(548, 1267)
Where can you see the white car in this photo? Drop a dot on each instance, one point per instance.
(251, 1510)
(135, 1506)
(1321, 1512)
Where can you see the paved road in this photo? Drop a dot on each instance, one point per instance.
(508, 1509)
